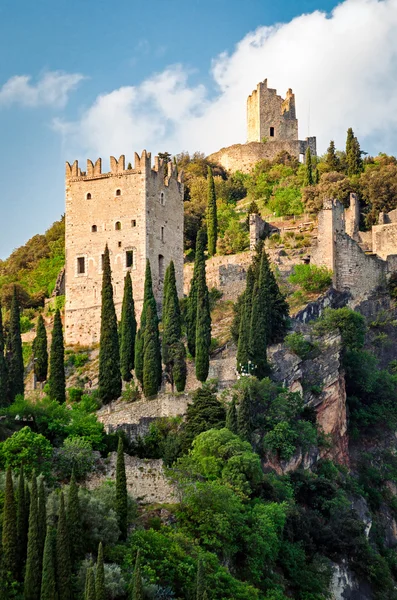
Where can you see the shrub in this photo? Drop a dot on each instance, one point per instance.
(75, 394)
(350, 324)
(299, 345)
(131, 392)
(311, 278)
(75, 452)
(25, 447)
(25, 323)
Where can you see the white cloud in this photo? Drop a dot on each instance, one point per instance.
(51, 89)
(342, 68)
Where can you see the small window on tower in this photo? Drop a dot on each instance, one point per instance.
(118, 192)
(133, 223)
(129, 258)
(88, 196)
(162, 199)
(81, 265)
(94, 229)
(161, 267)
(119, 244)
(117, 226)
(271, 131)
(162, 234)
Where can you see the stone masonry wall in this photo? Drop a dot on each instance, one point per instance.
(266, 109)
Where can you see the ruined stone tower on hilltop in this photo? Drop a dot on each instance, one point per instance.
(272, 127)
(138, 213)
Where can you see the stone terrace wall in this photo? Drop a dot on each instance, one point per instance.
(146, 481)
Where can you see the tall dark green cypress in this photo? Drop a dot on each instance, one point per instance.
(191, 312)
(41, 518)
(203, 328)
(245, 323)
(308, 168)
(278, 307)
(63, 564)
(109, 385)
(212, 219)
(3, 367)
(22, 522)
(353, 154)
(127, 331)
(138, 360)
(40, 352)
(121, 491)
(90, 585)
(231, 417)
(331, 159)
(200, 581)
(73, 518)
(57, 383)
(33, 560)
(14, 351)
(10, 546)
(244, 421)
(260, 323)
(137, 585)
(151, 353)
(48, 582)
(173, 349)
(100, 590)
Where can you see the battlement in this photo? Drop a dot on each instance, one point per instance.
(117, 167)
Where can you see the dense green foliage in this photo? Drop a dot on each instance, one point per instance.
(3, 367)
(121, 491)
(109, 385)
(203, 328)
(40, 352)
(10, 544)
(57, 383)
(212, 221)
(48, 580)
(173, 348)
(127, 331)
(311, 278)
(33, 560)
(63, 562)
(191, 312)
(15, 367)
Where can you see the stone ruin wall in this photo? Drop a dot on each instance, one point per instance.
(266, 109)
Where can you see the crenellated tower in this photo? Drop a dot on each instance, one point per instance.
(138, 213)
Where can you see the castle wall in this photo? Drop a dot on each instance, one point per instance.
(384, 239)
(126, 210)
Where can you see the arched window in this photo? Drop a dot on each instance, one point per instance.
(162, 198)
(118, 192)
(94, 229)
(117, 225)
(88, 196)
(161, 267)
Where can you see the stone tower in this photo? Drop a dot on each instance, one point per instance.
(138, 213)
(269, 116)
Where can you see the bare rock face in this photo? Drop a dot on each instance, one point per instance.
(346, 586)
(321, 381)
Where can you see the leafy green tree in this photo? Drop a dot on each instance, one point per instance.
(63, 563)
(121, 491)
(100, 591)
(22, 522)
(14, 352)
(231, 417)
(73, 518)
(40, 352)
(205, 412)
(245, 323)
(212, 221)
(191, 313)
(203, 328)
(41, 518)
(24, 447)
(353, 154)
(57, 383)
(244, 418)
(173, 350)
(48, 582)
(3, 366)
(90, 585)
(127, 331)
(10, 546)
(33, 560)
(137, 585)
(331, 159)
(109, 384)
(308, 168)
(200, 583)
(151, 353)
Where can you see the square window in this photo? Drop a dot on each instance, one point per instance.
(129, 258)
(81, 265)
(133, 223)
(119, 244)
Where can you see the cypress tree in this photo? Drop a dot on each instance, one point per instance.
(332, 160)
(22, 522)
(127, 331)
(109, 385)
(100, 591)
(121, 491)
(14, 351)
(151, 353)
(200, 582)
(33, 560)
(137, 586)
(203, 328)
(63, 564)
(231, 417)
(212, 220)
(40, 352)
(73, 518)
(244, 417)
(308, 168)
(191, 312)
(57, 384)
(245, 324)
(10, 544)
(349, 141)
(3, 366)
(260, 323)
(41, 518)
(173, 349)
(90, 585)
(138, 360)
(48, 584)
(154, 350)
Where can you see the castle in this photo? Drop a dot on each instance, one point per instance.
(272, 127)
(138, 213)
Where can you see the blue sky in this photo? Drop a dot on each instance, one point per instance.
(97, 78)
